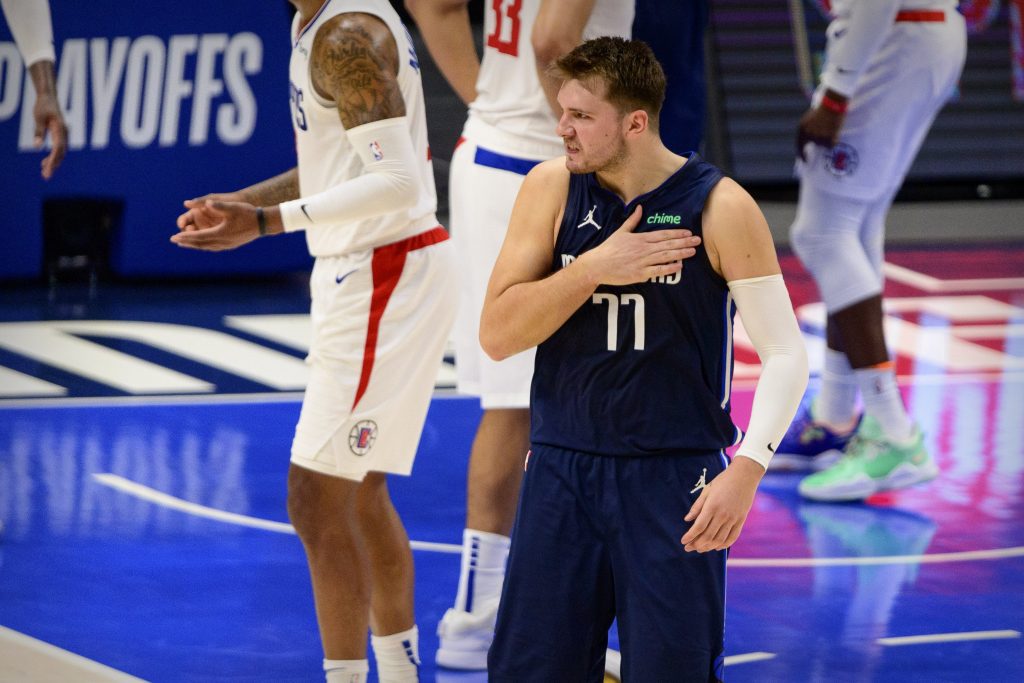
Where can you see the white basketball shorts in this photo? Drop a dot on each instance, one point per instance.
(482, 190)
(381, 319)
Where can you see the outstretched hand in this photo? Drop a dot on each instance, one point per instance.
(628, 257)
(216, 225)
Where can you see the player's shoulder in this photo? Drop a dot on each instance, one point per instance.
(355, 31)
(728, 197)
(551, 174)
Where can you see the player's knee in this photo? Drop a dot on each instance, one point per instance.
(315, 509)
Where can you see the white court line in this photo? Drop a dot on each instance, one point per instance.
(948, 637)
(964, 556)
(169, 501)
(928, 283)
(166, 500)
(179, 399)
(748, 657)
(27, 660)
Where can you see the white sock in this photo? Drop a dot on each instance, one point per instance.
(836, 403)
(346, 670)
(883, 402)
(398, 656)
(483, 570)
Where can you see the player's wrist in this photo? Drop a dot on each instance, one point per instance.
(749, 465)
(834, 102)
(586, 272)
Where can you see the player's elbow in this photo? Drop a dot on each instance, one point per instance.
(549, 46)
(493, 340)
(492, 345)
(402, 187)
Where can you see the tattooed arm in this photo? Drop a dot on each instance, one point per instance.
(354, 63)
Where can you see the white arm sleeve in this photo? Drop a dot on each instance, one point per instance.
(853, 38)
(764, 306)
(386, 185)
(30, 24)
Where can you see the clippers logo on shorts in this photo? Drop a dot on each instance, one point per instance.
(842, 161)
(376, 151)
(362, 436)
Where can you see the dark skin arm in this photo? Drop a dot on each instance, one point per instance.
(48, 117)
(820, 125)
(354, 63)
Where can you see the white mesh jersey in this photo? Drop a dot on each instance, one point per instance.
(326, 157)
(510, 113)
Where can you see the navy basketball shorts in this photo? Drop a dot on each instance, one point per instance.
(595, 538)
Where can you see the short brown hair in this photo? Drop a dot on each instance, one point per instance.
(628, 68)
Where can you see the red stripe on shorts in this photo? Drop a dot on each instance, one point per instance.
(388, 262)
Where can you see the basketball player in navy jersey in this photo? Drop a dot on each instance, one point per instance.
(624, 262)
(509, 129)
(382, 289)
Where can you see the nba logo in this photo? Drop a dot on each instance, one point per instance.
(376, 151)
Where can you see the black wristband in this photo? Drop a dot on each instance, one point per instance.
(261, 221)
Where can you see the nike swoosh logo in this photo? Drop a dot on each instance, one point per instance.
(340, 278)
(303, 207)
(838, 68)
(770, 447)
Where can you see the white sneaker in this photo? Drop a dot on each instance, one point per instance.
(464, 639)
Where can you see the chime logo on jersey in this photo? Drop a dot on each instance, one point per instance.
(362, 436)
(842, 160)
(376, 150)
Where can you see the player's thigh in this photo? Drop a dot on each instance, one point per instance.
(670, 603)
(557, 602)
(373, 365)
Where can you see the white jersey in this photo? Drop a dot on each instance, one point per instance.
(326, 157)
(858, 30)
(510, 113)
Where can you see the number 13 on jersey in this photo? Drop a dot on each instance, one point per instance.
(505, 36)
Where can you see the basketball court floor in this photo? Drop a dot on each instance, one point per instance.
(144, 437)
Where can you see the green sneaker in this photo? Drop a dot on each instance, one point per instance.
(871, 463)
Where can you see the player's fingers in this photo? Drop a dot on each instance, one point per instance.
(697, 506)
(677, 242)
(699, 542)
(662, 270)
(196, 239)
(58, 137)
(629, 225)
(658, 236)
(668, 257)
(733, 536)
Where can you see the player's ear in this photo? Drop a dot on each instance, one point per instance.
(636, 122)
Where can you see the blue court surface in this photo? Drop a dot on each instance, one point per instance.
(144, 438)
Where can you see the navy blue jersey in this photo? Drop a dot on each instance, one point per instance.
(639, 369)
